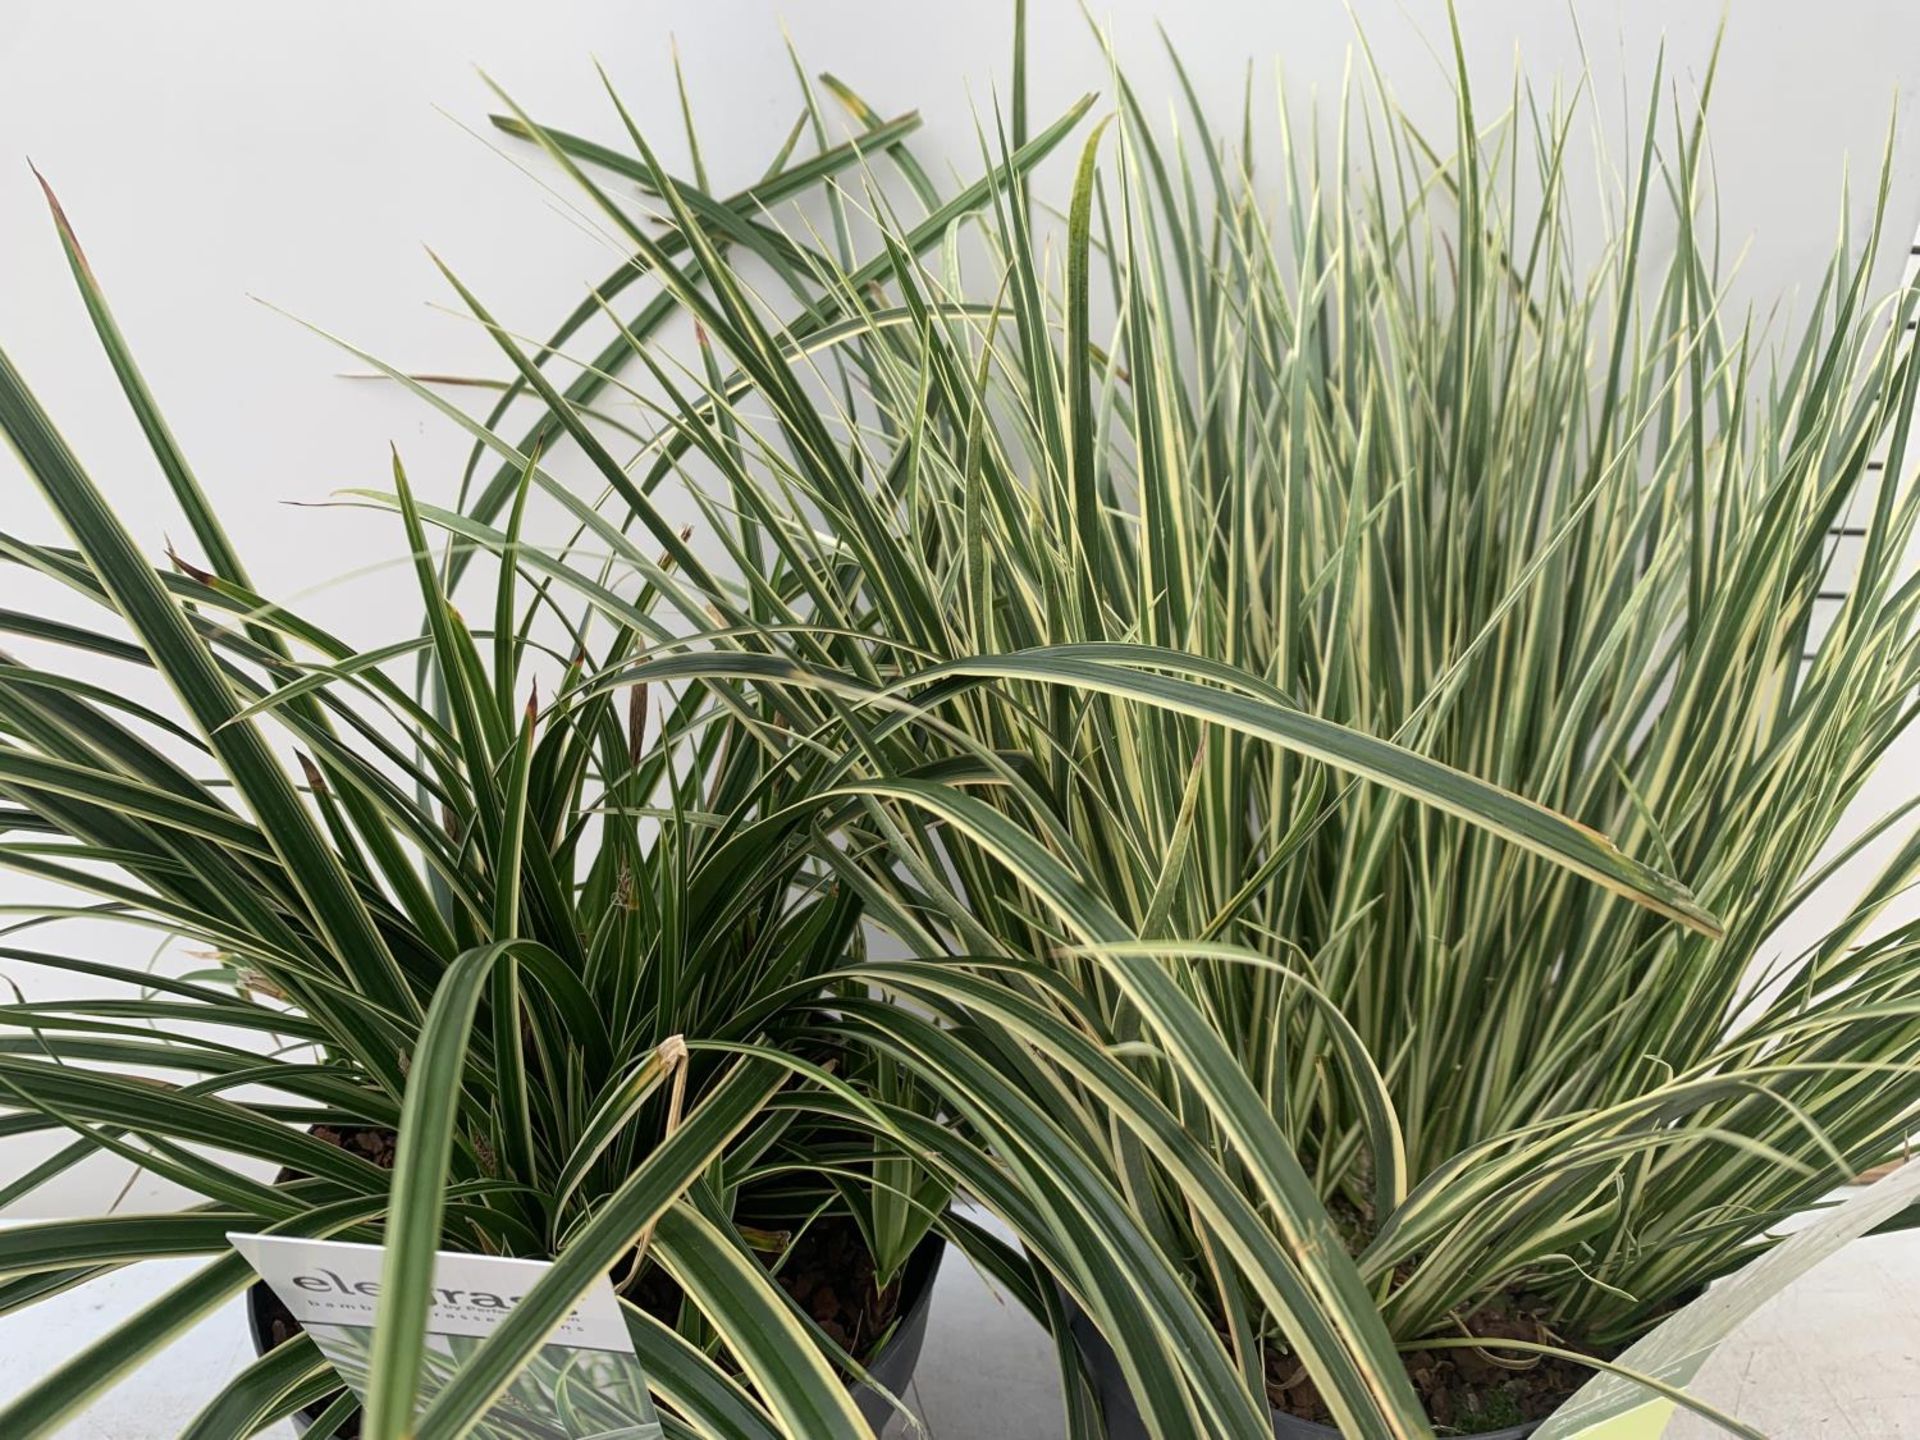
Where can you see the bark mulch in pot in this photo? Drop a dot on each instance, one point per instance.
(1466, 1392)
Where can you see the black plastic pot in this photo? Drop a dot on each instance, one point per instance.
(892, 1367)
(1123, 1416)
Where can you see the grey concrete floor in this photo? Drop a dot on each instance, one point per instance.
(1835, 1357)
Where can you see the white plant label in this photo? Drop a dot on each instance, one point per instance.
(585, 1383)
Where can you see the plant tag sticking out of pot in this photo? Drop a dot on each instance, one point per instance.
(585, 1383)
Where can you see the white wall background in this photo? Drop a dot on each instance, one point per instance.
(221, 149)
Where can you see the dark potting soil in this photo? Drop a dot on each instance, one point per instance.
(827, 1269)
(369, 1144)
(1466, 1392)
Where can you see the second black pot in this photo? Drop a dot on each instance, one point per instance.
(1123, 1416)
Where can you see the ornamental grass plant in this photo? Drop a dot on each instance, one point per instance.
(570, 946)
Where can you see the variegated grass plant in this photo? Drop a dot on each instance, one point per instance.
(574, 954)
(1094, 543)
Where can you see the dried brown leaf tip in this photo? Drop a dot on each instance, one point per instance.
(187, 568)
(636, 723)
(316, 782)
(252, 982)
(666, 561)
(65, 227)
